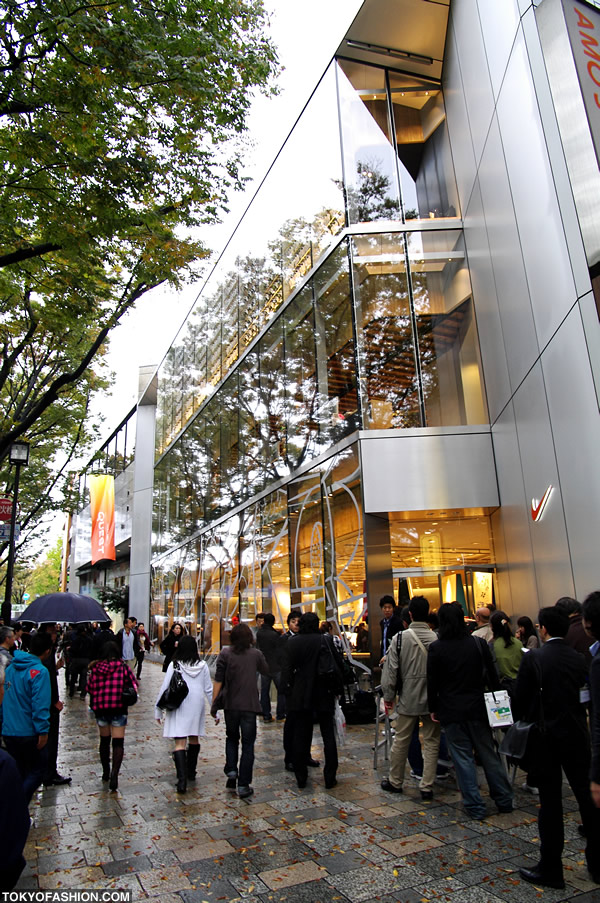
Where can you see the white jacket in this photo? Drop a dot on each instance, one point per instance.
(189, 719)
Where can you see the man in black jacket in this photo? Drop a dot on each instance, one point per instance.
(269, 643)
(562, 742)
(310, 693)
(391, 623)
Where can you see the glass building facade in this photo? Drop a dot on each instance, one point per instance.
(342, 304)
(397, 354)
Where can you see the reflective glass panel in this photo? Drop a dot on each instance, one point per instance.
(336, 359)
(300, 380)
(369, 156)
(385, 332)
(447, 336)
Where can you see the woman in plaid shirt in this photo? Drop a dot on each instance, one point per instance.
(106, 680)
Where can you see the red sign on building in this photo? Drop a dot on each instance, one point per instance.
(5, 509)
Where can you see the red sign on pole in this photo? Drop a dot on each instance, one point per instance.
(5, 509)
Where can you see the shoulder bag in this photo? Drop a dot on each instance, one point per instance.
(516, 739)
(175, 693)
(129, 695)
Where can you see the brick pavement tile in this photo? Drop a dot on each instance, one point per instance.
(339, 863)
(206, 850)
(362, 884)
(123, 866)
(57, 861)
(415, 843)
(171, 879)
(248, 885)
(318, 826)
(289, 875)
(80, 878)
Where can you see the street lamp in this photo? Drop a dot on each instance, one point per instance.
(18, 456)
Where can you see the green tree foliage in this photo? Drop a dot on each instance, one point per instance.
(120, 132)
(44, 577)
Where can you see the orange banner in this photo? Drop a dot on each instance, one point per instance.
(102, 504)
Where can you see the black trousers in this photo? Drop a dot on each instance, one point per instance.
(302, 739)
(52, 744)
(574, 757)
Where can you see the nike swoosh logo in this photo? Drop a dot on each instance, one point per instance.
(537, 508)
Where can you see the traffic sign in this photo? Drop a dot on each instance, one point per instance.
(5, 509)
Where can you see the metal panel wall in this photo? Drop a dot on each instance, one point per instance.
(458, 123)
(541, 232)
(510, 522)
(538, 462)
(499, 23)
(421, 470)
(516, 316)
(576, 429)
(474, 69)
(489, 324)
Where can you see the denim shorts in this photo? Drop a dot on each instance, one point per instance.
(115, 721)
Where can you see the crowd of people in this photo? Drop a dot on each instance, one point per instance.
(437, 671)
(436, 667)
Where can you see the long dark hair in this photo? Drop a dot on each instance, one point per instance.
(526, 625)
(241, 638)
(187, 650)
(110, 652)
(452, 622)
(500, 624)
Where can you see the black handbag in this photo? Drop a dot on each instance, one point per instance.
(515, 740)
(175, 693)
(129, 695)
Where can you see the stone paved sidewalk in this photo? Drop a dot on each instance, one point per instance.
(353, 843)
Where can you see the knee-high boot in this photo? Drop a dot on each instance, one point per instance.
(118, 744)
(180, 765)
(105, 757)
(193, 751)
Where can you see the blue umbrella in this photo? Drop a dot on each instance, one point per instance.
(70, 608)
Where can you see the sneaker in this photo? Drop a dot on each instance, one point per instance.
(528, 788)
(415, 776)
(244, 792)
(267, 719)
(231, 783)
(426, 794)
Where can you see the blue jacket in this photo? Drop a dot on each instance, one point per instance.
(26, 707)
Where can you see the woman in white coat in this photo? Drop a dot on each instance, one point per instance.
(188, 721)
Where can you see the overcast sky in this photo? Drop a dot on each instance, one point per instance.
(306, 36)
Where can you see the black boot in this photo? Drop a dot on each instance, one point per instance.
(180, 765)
(105, 757)
(117, 751)
(193, 751)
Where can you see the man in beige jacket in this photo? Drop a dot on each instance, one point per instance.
(405, 674)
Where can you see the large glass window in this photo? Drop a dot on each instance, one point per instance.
(417, 338)
(369, 160)
(336, 359)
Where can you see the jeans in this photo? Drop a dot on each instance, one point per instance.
(265, 694)
(30, 760)
(463, 737)
(237, 723)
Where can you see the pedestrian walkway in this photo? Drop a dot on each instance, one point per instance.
(353, 843)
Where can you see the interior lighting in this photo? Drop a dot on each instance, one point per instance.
(391, 51)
